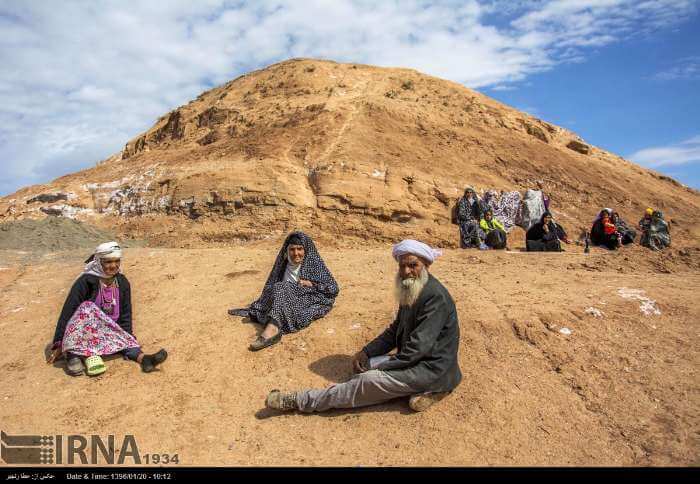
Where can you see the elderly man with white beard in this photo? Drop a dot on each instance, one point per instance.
(425, 334)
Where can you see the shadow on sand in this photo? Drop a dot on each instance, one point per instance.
(337, 369)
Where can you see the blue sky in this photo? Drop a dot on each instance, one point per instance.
(79, 81)
(639, 98)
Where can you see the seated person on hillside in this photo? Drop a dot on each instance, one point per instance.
(496, 237)
(468, 217)
(96, 318)
(603, 232)
(646, 220)
(546, 235)
(627, 233)
(657, 236)
(299, 289)
(425, 334)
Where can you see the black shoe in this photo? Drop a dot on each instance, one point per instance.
(149, 362)
(239, 312)
(261, 342)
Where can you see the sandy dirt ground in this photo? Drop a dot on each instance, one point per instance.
(561, 364)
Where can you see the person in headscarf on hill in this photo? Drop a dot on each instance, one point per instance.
(546, 235)
(646, 220)
(599, 216)
(299, 289)
(425, 335)
(603, 232)
(657, 236)
(496, 237)
(627, 233)
(468, 217)
(96, 318)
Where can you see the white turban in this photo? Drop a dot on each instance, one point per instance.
(416, 248)
(108, 250)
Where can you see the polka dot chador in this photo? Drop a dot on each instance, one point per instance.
(291, 305)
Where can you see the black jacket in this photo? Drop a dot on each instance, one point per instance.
(536, 232)
(598, 236)
(426, 336)
(85, 289)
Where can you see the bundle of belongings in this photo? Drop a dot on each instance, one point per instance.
(531, 209)
(505, 207)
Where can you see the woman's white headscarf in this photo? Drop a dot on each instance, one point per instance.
(108, 250)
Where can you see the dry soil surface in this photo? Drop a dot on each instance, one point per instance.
(568, 359)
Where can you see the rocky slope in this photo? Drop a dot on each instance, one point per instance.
(354, 151)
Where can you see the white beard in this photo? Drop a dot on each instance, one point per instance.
(408, 290)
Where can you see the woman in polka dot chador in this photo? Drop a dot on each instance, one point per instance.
(299, 289)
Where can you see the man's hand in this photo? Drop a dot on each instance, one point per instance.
(545, 227)
(306, 283)
(360, 362)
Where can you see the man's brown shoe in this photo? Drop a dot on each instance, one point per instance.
(281, 401)
(423, 401)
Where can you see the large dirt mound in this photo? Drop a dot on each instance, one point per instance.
(568, 358)
(50, 234)
(355, 150)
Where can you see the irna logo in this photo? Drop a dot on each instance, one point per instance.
(69, 449)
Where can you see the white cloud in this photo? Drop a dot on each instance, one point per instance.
(684, 153)
(685, 69)
(79, 80)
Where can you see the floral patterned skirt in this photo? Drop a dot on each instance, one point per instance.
(91, 332)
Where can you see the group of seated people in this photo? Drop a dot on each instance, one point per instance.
(610, 231)
(655, 230)
(415, 357)
(479, 228)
